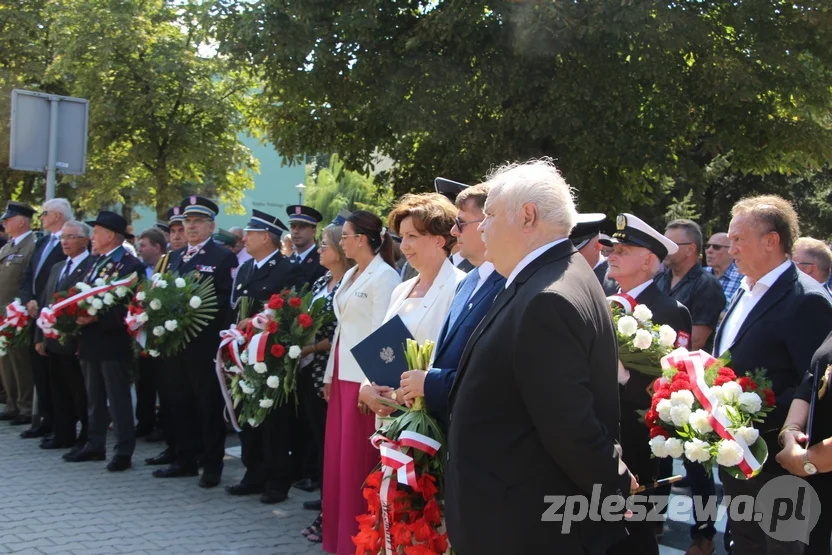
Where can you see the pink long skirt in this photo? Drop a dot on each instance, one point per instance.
(349, 457)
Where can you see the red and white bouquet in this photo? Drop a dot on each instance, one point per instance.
(15, 327)
(641, 343)
(701, 410)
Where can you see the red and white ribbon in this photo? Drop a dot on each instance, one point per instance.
(694, 365)
(626, 301)
(394, 460)
(47, 315)
(16, 315)
(231, 339)
(136, 327)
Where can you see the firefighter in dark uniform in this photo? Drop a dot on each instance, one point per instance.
(197, 402)
(266, 448)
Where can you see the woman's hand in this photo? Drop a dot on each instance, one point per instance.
(793, 454)
(327, 391)
(413, 384)
(370, 395)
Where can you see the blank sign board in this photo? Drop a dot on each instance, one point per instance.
(29, 150)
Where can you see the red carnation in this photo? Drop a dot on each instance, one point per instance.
(658, 431)
(679, 385)
(663, 393)
(727, 372)
(295, 302)
(276, 302)
(285, 293)
(651, 417)
(747, 384)
(771, 399)
(304, 320)
(72, 309)
(680, 377)
(721, 380)
(278, 350)
(271, 327)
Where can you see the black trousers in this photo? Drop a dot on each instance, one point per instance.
(314, 408)
(40, 376)
(265, 451)
(69, 399)
(161, 379)
(108, 399)
(146, 394)
(197, 406)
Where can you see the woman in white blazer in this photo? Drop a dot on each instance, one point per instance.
(360, 305)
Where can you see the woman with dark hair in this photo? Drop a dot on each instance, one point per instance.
(359, 305)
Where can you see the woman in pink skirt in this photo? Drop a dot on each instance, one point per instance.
(360, 305)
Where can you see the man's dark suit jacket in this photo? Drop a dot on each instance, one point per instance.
(534, 412)
(780, 334)
(261, 283)
(55, 285)
(440, 378)
(32, 285)
(107, 338)
(311, 268)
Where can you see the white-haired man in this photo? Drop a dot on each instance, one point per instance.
(54, 214)
(536, 386)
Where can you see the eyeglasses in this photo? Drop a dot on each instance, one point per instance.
(683, 244)
(461, 225)
(715, 246)
(71, 237)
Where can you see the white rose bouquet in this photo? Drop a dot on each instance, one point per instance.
(641, 343)
(167, 312)
(702, 411)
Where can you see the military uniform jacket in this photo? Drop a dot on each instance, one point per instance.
(261, 283)
(107, 338)
(13, 262)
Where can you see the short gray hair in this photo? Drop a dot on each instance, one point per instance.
(818, 251)
(83, 229)
(691, 230)
(59, 205)
(538, 182)
(276, 239)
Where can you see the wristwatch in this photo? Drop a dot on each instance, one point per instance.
(808, 467)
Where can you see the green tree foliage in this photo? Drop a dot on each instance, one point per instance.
(626, 96)
(165, 120)
(333, 188)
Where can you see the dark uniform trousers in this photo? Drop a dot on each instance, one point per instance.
(69, 399)
(265, 451)
(109, 380)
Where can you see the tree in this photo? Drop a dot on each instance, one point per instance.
(332, 189)
(624, 95)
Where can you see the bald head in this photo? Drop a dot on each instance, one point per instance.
(716, 252)
(239, 233)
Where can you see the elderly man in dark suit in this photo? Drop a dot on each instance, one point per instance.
(534, 406)
(54, 214)
(69, 397)
(776, 321)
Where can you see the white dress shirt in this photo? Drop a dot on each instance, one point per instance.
(16, 241)
(746, 303)
(456, 259)
(485, 270)
(638, 289)
(76, 261)
(262, 263)
(529, 258)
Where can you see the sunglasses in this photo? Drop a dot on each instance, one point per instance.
(461, 225)
(715, 246)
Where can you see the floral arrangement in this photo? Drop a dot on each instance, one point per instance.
(59, 319)
(265, 372)
(641, 343)
(15, 327)
(701, 410)
(167, 312)
(406, 520)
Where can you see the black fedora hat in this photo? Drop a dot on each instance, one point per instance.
(112, 221)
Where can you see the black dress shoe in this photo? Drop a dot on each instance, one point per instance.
(119, 463)
(175, 471)
(7, 416)
(312, 505)
(243, 489)
(272, 497)
(37, 431)
(75, 448)
(55, 444)
(209, 480)
(165, 457)
(306, 484)
(85, 455)
(21, 420)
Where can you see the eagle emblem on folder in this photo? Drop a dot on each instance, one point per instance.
(387, 355)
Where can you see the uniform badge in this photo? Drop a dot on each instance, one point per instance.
(193, 200)
(387, 355)
(297, 210)
(272, 262)
(682, 340)
(621, 222)
(175, 210)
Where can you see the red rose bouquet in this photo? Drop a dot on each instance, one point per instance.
(701, 410)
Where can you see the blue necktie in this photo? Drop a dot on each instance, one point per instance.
(462, 296)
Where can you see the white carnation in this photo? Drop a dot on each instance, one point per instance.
(682, 397)
(153, 353)
(121, 291)
(674, 447)
(92, 311)
(97, 304)
(658, 447)
(266, 403)
(155, 276)
(718, 392)
(663, 408)
(143, 318)
(140, 296)
(731, 391)
(750, 402)
(109, 299)
(244, 357)
(195, 302)
(697, 450)
(162, 283)
(643, 340)
(180, 283)
(260, 367)
(81, 286)
(247, 389)
(100, 281)
(699, 421)
(155, 304)
(295, 351)
(252, 422)
(667, 336)
(748, 434)
(679, 414)
(171, 325)
(273, 382)
(158, 331)
(642, 313)
(729, 453)
(627, 325)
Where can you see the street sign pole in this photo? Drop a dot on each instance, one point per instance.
(52, 156)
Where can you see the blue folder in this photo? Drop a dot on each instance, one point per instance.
(381, 354)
